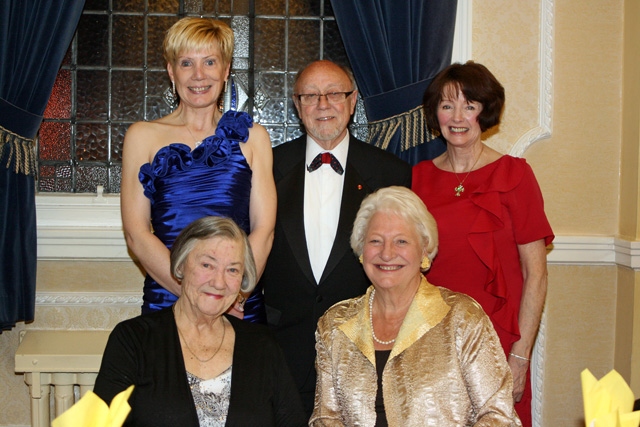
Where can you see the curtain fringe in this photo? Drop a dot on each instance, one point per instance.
(21, 152)
(412, 124)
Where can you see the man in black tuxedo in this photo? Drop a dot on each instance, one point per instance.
(311, 265)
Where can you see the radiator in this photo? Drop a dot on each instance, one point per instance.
(59, 367)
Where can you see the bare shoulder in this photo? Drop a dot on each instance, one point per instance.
(259, 135)
(146, 138)
(258, 141)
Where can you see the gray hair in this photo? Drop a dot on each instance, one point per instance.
(206, 228)
(402, 202)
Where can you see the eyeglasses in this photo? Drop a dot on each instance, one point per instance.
(314, 98)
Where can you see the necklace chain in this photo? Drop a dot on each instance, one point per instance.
(460, 188)
(197, 142)
(224, 330)
(373, 333)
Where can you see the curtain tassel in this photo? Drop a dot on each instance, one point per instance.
(21, 152)
(412, 124)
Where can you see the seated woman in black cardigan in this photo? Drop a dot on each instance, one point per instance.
(191, 364)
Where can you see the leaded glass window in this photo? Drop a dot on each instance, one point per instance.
(113, 75)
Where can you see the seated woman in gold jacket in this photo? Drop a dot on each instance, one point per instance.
(407, 353)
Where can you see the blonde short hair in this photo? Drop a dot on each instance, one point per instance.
(196, 34)
(402, 202)
(210, 227)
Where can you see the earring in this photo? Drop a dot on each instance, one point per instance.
(426, 263)
(361, 259)
(169, 96)
(221, 99)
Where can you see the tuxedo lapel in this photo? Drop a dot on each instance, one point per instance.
(290, 190)
(354, 191)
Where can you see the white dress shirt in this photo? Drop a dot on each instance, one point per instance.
(322, 201)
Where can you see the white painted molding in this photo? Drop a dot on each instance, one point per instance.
(545, 83)
(78, 227)
(627, 253)
(582, 250)
(462, 36)
(89, 298)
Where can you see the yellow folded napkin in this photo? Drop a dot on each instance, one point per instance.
(91, 411)
(608, 402)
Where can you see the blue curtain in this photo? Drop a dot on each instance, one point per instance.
(395, 48)
(34, 37)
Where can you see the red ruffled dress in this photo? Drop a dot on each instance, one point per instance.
(479, 233)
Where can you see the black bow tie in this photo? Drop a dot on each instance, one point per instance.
(326, 158)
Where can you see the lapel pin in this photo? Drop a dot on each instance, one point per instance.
(359, 186)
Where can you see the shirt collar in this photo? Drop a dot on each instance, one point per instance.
(340, 151)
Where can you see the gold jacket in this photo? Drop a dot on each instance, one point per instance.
(446, 368)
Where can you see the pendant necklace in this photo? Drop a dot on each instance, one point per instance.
(197, 143)
(460, 188)
(373, 334)
(224, 330)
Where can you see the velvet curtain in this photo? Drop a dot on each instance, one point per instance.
(395, 48)
(34, 37)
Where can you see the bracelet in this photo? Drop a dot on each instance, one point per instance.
(519, 357)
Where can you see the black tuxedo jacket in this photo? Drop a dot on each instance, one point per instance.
(293, 299)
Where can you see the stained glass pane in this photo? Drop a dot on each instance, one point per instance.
(53, 141)
(271, 7)
(115, 174)
(117, 139)
(59, 105)
(305, 8)
(100, 92)
(240, 26)
(293, 133)
(128, 5)
(96, 5)
(128, 41)
(168, 6)
(92, 142)
(276, 133)
(304, 43)
(127, 95)
(158, 26)
(268, 42)
(333, 45)
(93, 94)
(93, 40)
(89, 177)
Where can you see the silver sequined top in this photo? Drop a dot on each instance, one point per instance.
(211, 398)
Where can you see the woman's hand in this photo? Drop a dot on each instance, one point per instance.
(519, 368)
(237, 309)
(533, 257)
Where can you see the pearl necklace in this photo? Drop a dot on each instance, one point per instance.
(224, 330)
(373, 334)
(460, 188)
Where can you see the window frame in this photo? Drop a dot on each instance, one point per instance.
(89, 225)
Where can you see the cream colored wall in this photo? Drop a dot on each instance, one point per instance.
(578, 169)
(63, 278)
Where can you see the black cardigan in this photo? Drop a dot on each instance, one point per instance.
(145, 351)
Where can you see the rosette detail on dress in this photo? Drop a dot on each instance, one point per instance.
(215, 149)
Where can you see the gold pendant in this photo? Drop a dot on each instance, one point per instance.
(459, 189)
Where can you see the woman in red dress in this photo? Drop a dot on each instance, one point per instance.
(490, 214)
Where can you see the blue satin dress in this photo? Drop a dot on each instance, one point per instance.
(184, 185)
